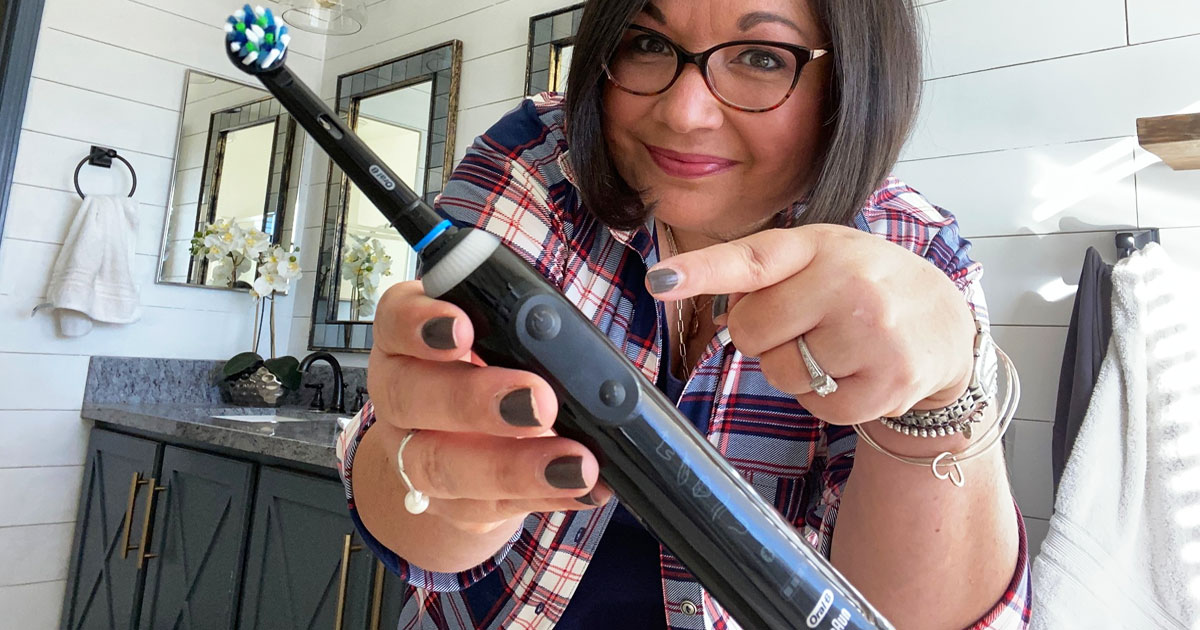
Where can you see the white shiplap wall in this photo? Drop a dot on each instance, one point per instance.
(1028, 135)
(107, 72)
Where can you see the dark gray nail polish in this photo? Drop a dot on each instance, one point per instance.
(516, 408)
(587, 500)
(662, 280)
(438, 333)
(720, 305)
(566, 472)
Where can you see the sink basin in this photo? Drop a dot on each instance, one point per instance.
(268, 418)
(284, 416)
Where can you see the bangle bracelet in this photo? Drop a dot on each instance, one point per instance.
(1004, 416)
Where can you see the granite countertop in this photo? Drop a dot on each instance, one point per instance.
(309, 440)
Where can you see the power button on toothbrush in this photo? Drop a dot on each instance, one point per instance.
(542, 323)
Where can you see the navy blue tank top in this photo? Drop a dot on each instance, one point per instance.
(622, 587)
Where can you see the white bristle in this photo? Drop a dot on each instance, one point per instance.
(228, 27)
(284, 39)
(235, 46)
(249, 59)
(240, 15)
(271, 57)
(258, 32)
(258, 10)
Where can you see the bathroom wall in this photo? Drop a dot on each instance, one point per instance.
(1028, 135)
(107, 72)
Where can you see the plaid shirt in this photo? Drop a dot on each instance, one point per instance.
(514, 183)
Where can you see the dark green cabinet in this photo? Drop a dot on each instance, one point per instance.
(200, 522)
(104, 583)
(306, 567)
(175, 538)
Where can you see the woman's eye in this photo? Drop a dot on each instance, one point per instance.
(760, 59)
(650, 44)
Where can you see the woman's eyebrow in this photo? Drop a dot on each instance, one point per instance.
(750, 20)
(654, 13)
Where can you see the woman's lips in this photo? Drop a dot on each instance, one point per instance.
(688, 165)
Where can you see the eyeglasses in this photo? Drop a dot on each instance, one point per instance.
(749, 75)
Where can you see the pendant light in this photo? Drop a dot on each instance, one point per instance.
(325, 17)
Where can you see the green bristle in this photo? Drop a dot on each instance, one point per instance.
(241, 27)
(270, 38)
(250, 46)
(262, 21)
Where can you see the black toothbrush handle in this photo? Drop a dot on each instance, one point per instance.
(675, 482)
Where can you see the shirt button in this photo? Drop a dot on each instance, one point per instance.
(542, 606)
(687, 607)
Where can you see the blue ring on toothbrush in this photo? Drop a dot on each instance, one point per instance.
(434, 233)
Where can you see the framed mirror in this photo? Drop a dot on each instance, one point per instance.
(405, 110)
(238, 157)
(551, 42)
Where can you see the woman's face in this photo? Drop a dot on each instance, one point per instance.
(744, 167)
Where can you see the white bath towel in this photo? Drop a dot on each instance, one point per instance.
(93, 275)
(1123, 550)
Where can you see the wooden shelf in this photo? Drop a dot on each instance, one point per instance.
(1175, 139)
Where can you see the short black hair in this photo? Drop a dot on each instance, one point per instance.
(872, 99)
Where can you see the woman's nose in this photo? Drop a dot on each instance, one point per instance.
(688, 105)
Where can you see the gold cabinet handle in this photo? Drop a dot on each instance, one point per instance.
(377, 595)
(134, 483)
(145, 544)
(347, 549)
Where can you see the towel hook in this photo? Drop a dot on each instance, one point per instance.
(102, 156)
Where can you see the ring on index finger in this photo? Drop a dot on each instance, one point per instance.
(821, 383)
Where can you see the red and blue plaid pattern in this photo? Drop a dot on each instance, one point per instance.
(514, 183)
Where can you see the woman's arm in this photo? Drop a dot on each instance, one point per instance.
(925, 552)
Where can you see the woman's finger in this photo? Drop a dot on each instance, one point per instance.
(414, 393)
(407, 322)
(448, 465)
(483, 512)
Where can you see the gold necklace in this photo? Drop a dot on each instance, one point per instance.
(695, 321)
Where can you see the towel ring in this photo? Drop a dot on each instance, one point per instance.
(101, 156)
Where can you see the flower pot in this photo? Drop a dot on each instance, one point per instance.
(259, 388)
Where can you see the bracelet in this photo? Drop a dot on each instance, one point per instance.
(1004, 417)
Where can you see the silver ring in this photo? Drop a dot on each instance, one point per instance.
(415, 501)
(821, 383)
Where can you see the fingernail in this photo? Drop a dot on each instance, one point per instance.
(438, 333)
(516, 408)
(587, 500)
(566, 472)
(662, 280)
(720, 305)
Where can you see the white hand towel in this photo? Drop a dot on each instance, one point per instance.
(1123, 549)
(93, 275)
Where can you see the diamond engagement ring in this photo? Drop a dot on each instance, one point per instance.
(415, 501)
(821, 383)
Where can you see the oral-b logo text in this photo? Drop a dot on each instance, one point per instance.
(382, 177)
(821, 609)
(841, 621)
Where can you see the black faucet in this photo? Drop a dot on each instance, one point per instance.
(339, 390)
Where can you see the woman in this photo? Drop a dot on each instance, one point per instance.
(757, 174)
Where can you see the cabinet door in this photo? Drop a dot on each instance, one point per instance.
(198, 538)
(103, 583)
(305, 565)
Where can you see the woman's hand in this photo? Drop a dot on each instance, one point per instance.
(888, 326)
(486, 454)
